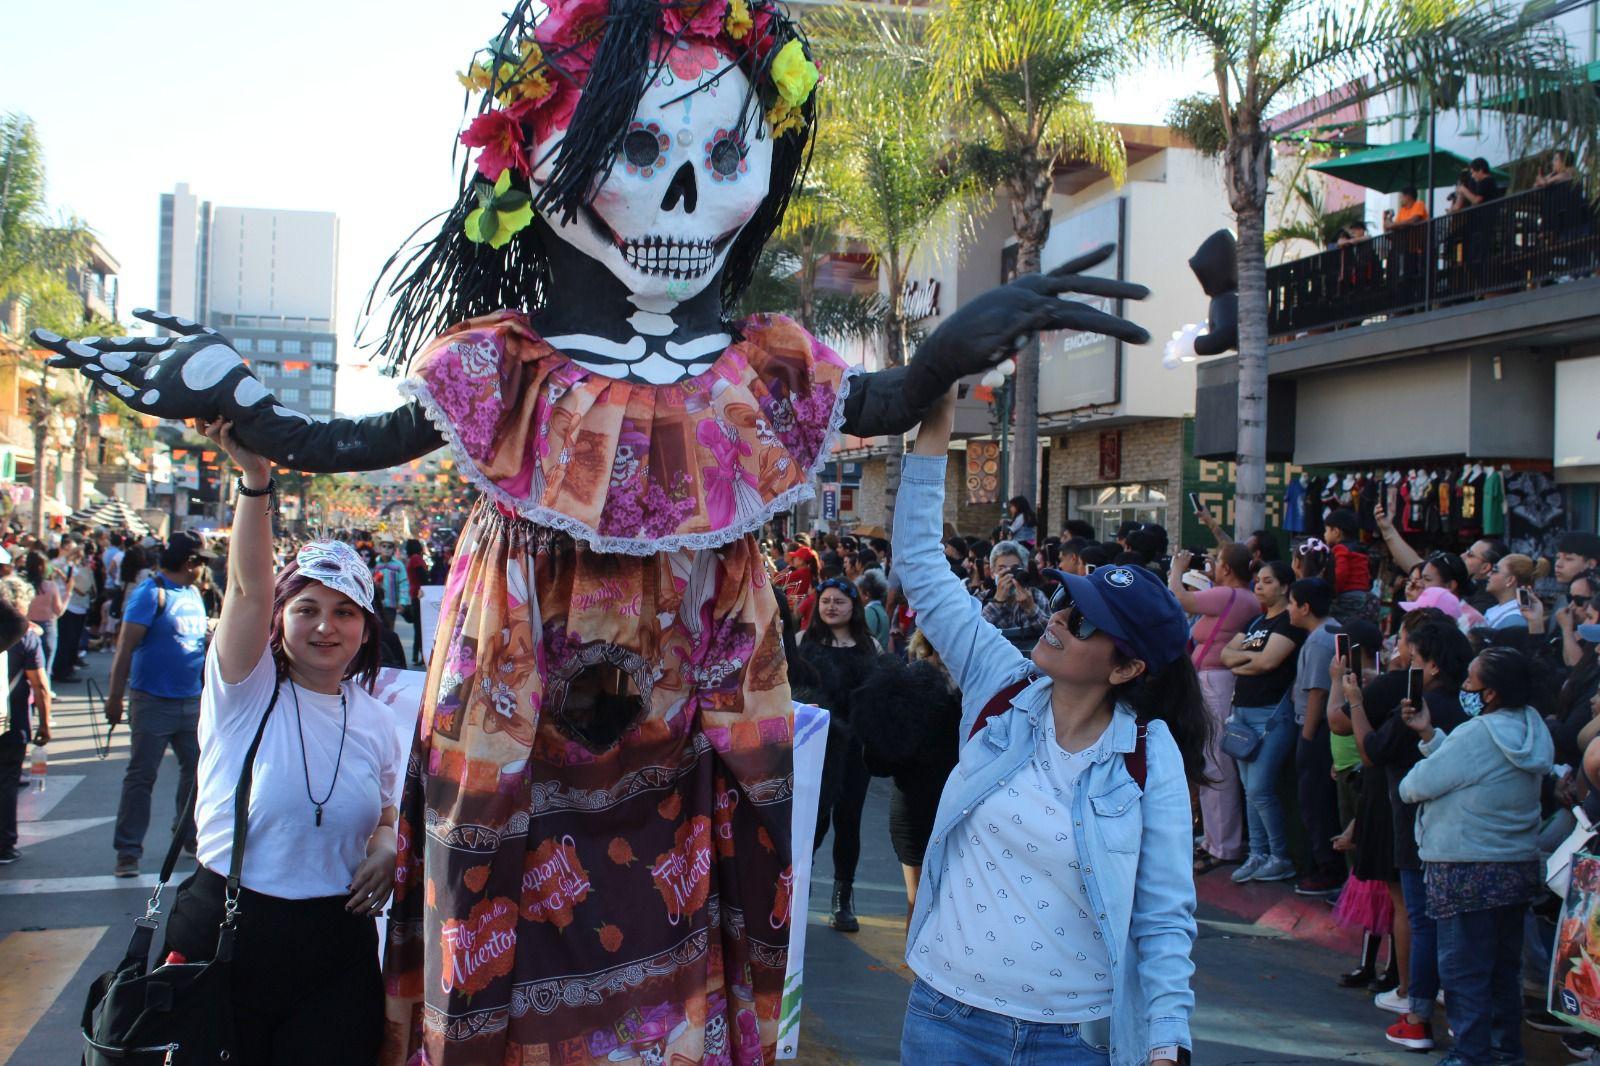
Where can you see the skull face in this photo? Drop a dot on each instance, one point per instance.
(691, 172)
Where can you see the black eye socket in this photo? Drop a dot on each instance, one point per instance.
(724, 156)
(641, 149)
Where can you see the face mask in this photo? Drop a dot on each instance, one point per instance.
(1472, 703)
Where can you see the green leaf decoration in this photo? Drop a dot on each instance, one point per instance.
(514, 200)
(488, 225)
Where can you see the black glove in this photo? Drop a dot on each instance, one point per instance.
(982, 334)
(199, 375)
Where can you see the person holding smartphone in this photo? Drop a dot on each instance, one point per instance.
(1511, 584)
(1438, 655)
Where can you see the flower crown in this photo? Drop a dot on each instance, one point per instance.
(536, 80)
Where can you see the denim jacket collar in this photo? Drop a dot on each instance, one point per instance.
(1034, 701)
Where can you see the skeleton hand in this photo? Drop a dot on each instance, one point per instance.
(984, 333)
(194, 375)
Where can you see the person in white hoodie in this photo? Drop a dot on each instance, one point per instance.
(1477, 825)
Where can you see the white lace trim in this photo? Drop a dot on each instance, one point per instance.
(417, 389)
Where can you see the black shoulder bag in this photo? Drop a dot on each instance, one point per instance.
(179, 1014)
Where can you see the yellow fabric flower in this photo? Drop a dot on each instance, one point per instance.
(738, 22)
(526, 81)
(793, 74)
(784, 118)
(475, 78)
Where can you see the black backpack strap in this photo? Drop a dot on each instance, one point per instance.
(241, 832)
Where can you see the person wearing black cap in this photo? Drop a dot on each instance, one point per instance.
(1056, 907)
(1576, 553)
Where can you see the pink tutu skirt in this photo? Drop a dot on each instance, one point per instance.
(1365, 905)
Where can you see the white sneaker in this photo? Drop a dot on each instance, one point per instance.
(1247, 869)
(1392, 1001)
(1276, 869)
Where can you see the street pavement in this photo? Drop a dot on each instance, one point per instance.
(1264, 996)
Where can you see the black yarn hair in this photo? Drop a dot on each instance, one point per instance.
(450, 278)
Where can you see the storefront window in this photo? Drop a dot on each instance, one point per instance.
(1108, 506)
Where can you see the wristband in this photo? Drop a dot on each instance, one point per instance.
(272, 486)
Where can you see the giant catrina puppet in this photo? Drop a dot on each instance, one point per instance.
(594, 838)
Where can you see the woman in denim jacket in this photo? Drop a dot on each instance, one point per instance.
(1055, 916)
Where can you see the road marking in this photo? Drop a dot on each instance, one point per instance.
(33, 806)
(38, 966)
(35, 885)
(882, 938)
(29, 833)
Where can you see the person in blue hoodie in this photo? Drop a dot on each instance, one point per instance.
(1477, 788)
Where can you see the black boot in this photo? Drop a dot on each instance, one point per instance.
(1364, 973)
(844, 913)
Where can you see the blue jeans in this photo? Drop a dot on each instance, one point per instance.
(47, 643)
(1263, 811)
(154, 723)
(1480, 959)
(1423, 981)
(940, 1031)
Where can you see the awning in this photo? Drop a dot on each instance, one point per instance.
(1544, 101)
(1392, 167)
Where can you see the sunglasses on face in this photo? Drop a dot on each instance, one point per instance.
(1079, 625)
(1580, 601)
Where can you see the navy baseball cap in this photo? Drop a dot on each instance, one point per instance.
(1132, 606)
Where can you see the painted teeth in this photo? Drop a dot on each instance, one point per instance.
(670, 258)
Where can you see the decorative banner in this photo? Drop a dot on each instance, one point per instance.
(1111, 455)
(180, 453)
(108, 421)
(149, 421)
(983, 471)
(295, 364)
(208, 457)
(1574, 980)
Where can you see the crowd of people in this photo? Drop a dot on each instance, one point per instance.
(1436, 715)
(154, 605)
(1405, 736)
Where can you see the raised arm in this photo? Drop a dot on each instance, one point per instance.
(1403, 554)
(241, 635)
(198, 375)
(979, 659)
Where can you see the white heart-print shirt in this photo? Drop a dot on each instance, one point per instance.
(1011, 932)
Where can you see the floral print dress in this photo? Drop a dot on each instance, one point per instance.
(594, 852)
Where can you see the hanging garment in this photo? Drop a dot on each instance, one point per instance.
(594, 852)
(1494, 504)
(1535, 513)
(1294, 506)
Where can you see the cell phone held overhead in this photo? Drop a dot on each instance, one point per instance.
(1341, 647)
(1524, 596)
(1414, 686)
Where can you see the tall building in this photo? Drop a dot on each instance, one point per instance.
(266, 278)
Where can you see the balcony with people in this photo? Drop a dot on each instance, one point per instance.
(1486, 243)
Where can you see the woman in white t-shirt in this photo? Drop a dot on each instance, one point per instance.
(319, 861)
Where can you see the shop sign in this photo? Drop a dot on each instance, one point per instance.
(919, 299)
(830, 503)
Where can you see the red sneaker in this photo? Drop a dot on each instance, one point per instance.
(1418, 1036)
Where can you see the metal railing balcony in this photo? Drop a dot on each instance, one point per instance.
(1515, 242)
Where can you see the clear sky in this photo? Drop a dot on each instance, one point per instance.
(348, 106)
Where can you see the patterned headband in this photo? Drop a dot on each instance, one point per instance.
(335, 564)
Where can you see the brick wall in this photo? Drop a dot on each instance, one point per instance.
(1152, 455)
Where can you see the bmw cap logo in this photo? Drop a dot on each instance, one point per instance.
(1121, 577)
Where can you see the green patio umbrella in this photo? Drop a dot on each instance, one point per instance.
(1391, 167)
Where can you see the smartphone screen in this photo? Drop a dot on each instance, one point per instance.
(1414, 686)
(1357, 667)
(1525, 597)
(1341, 646)
(1194, 502)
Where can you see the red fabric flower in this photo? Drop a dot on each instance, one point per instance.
(697, 18)
(500, 135)
(571, 22)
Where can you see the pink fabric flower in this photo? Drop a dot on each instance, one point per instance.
(572, 22)
(697, 18)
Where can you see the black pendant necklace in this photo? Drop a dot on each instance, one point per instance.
(305, 765)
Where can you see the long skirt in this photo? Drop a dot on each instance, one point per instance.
(594, 852)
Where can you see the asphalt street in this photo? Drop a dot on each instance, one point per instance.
(1262, 998)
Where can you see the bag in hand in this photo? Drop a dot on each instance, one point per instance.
(179, 1014)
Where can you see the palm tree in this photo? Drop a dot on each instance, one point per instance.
(1267, 53)
(1018, 71)
(1306, 215)
(883, 170)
